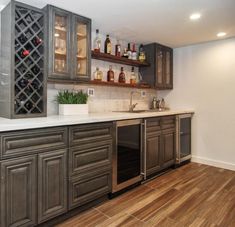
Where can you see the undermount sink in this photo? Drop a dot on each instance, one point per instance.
(142, 111)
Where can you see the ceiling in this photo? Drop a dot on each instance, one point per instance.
(163, 21)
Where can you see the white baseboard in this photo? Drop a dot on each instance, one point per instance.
(211, 162)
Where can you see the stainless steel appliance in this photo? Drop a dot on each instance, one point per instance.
(127, 154)
(183, 138)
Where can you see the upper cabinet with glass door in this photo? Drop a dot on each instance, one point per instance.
(160, 73)
(69, 45)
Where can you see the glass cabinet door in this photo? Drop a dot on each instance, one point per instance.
(160, 67)
(82, 48)
(168, 68)
(61, 44)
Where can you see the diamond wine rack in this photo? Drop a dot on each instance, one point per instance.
(29, 78)
(26, 74)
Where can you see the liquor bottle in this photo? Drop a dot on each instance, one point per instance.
(118, 49)
(133, 54)
(142, 56)
(97, 42)
(22, 38)
(133, 76)
(98, 75)
(129, 53)
(110, 74)
(107, 45)
(36, 41)
(24, 53)
(125, 54)
(122, 77)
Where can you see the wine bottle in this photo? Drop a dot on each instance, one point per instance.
(24, 53)
(133, 54)
(22, 38)
(35, 70)
(28, 105)
(23, 83)
(122, 77)
(97, 42)
(36, 41)
(35, 85)
(107, 45)
(110, 74)
(129, 53)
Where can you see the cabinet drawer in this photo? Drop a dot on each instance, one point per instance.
(89, 187)
(90, 133)
(153, 124)
(168, 122)
(90, 157)
(32, 141)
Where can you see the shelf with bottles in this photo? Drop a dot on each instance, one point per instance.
(116, 59)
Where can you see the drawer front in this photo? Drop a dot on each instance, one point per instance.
(168, 122)
(153, 124)
(89, 133)
(86, 189)
(90, 157)
(32, 141)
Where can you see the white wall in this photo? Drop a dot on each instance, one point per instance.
(204, 80)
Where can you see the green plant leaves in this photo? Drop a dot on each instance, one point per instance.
(67, 97)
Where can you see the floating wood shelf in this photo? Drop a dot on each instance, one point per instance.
(115, 84)
(119, 60)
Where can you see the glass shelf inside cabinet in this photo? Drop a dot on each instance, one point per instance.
(81, 48)
(60, 44)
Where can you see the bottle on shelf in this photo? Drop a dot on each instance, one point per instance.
(107, 45)
(133, 54)
(142, 56)
(133, 76)
(24, 53)
(98, 74)
(110, 74)
(122, 77)
(129, 52)
(118, 49)
(125, 54)
(36, 41)
(97, 42)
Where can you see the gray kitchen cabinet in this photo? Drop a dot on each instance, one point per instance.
(160, 144)
(88, 187)
(159, 74)
(90, 161)
(18, 192)
(69, 46)
(52, 184)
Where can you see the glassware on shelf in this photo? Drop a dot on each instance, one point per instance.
(98, 74)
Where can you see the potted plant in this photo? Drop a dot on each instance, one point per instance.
(72, 103)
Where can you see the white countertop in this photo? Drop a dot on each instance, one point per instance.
(57, 120)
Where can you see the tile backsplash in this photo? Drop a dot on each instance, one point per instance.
(105, 99)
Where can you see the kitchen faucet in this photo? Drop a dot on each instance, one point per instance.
(132, 106)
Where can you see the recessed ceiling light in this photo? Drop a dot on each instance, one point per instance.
(195, 16)
(221, 34)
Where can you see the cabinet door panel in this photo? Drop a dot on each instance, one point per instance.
(85, 189)
(159, 67)
(81, 49)
(168, 137)
(52, 186)
(168, 68)
(18, 192)
(153, 153)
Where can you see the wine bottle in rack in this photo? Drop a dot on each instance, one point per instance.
(22, 38)
(23, 83)
(24, 53)
(35, 70)
(36, 41)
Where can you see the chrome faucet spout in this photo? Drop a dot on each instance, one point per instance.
(132, 106)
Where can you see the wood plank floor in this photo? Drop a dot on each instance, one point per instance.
(193, 195)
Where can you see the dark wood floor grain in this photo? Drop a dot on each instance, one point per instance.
(193, 195)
